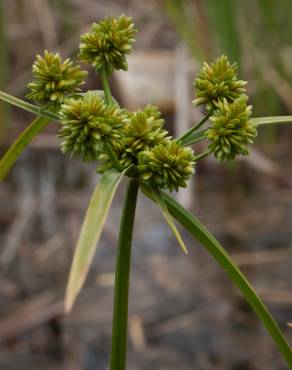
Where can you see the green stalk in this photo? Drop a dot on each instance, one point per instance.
(194, 137)
(202, 155)
(185, 136)
(121, 293)
(20, 144)
(193, 225)
(113, 156)
(106, 87)
(109, 101)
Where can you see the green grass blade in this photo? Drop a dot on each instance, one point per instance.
(20, 144)
(90, 233)
(196, 136)
(266, 121)
(221, 256)
(156, 194)
(27, 106)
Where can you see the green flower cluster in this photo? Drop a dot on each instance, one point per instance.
(89, 128)
(167, 165)
(108, 43)
(87, 124)
(54, 79)
(143, 131)
(223, 95)
(231, 130)
(217, 81)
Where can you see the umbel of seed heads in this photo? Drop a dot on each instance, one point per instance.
(116, 138)
(223, 96)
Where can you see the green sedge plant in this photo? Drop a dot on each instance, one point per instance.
(136, 146)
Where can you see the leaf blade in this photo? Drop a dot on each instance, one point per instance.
(210, 243)
(27, 106)
(199, 135)
(12, 154)
(97, 211)
(265, 121)
(156, 194)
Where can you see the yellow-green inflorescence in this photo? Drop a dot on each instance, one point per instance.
(54, 79)
(218, 88)
(108, 43)
(143, 131)
(231, 129)
(87, 124)
(217, 81)
(167, 165)
(137, 139)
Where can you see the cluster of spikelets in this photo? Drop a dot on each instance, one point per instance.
(107, 134)
(89, 127)
(167, 165)
(143, 131)
(231, 130)
(54, 79)
(108, 43)
(223, 95)
(87, 123)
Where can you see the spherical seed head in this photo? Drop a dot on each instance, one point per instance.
(217, 81)
(167, 165)
(54, 79)
(232, 130)
(143, 131)
(108, 43)
(87, 123)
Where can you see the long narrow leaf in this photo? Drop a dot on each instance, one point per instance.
(266, 121)
(90, 233)
(221, 256)
(27, 106)
(20, 144)
(160, 201)
(199, 135)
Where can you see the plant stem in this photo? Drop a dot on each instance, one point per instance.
(194, 137)
(121, 293)
(195, 127)
(106, 87)
(20, 144)
(113, 156)
(109, 101)
(202, 155)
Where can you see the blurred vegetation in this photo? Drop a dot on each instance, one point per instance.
(256, 34)
(4, 72)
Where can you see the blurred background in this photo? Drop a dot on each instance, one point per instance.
(184, 312)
